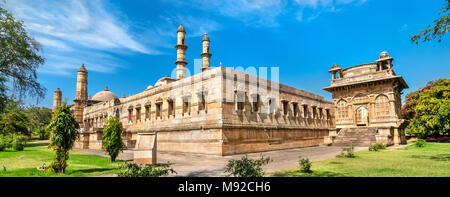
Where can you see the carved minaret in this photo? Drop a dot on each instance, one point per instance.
(206, 55)
(56, 99)
(181, 53)
(81, 96)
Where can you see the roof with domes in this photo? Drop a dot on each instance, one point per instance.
(104, 95)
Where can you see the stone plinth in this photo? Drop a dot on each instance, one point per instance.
(145, 151)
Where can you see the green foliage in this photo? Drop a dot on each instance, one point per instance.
(18, 142)
(347, 152)
(420, 143)
(112, 138)
(39, 118)
(63, 133)
(438, 30)
(129, 169)
(246, 167)
(428, 109)
(305, 164)
(14, 120)
(19, 60)
(377, 146)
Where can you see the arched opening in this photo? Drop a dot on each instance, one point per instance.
(382, 106)
(342, 109)
(361, 116)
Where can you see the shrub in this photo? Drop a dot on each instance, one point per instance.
(6, 142)
(129, 169)
(18, 145)
(18, 142)
(420, 143)
(2, 146)
(246, 167)
(305, 164)
(347, 152)
(377, 147)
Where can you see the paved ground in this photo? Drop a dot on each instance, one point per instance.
(198, 165)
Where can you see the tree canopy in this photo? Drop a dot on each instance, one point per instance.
(19, 60)
(428, 109)
(440, 27)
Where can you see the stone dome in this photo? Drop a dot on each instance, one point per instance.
(104, 95)
(384, 55)
(164, 80)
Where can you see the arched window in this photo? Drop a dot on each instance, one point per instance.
(342, 109)
(382, 106)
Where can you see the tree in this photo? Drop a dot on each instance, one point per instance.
(427, 109)
(112, 138)
(19, 60)
(13, 120)
(39, 118)
(63, 133)
(438, 30)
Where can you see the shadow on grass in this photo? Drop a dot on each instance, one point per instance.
(29, 144)
(90, 170)
(315, 173)
(438, 157)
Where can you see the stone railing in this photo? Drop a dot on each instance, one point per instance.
(365, 77)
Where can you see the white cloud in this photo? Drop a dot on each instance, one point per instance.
(73, 32)
(316, 7)
(265, 13)
(84, 23)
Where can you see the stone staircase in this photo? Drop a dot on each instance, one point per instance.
(361, 136)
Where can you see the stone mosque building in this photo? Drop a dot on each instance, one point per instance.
(221, 111)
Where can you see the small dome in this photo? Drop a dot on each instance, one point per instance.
(149, 86)
(384, 54)
(164, 80)
(205, 38)
(181, 29)
(104, 95)
(82, 69)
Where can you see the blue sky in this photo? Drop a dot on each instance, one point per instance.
(128, 45)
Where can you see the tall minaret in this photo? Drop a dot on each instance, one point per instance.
(81, 96)
(181, 53)
(206, 55)
(56, 99)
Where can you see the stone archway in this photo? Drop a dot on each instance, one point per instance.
(361, 116)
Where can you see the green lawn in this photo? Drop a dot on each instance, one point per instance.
(24, 163)
(431, 161)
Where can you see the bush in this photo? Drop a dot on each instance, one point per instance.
(347, 152)
(2, 146)
(377, 147)
(18, 143)
(305, 164)
(246, 167)
(129, 169)
(420, 143)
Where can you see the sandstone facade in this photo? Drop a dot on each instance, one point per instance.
(368, 97)
(219, 111)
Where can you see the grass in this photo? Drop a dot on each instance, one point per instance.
(24, 163)
(433, 160)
